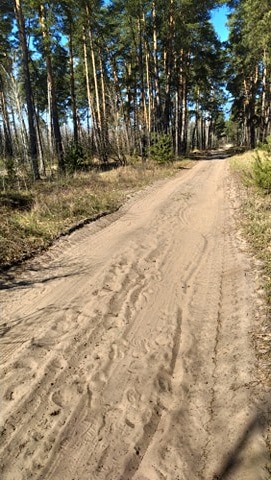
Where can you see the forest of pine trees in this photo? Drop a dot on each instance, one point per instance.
(107, 80)
(248, 75)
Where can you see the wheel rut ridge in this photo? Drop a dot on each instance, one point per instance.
(213, 375)
(151, 426)
(149, 430)
(176, 341)
(194, 272)
(208, 263)
(231, 313)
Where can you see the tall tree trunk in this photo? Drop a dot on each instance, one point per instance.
(104, 124)
(98, 112)
(143, 110)
(15, 133)
(119, 105)
(52, 100)
(195, 135)
(22, 142)
(209, 141)
(246, 115)
(184, 118)
(169, 66)
(89, 96)
(8, 150)
(177, 123)
(265, 100)
(250, 87)
(28, 88)
(149, 94)
(184, 107)
(40, 146)
(157, 92)
(130, 112)
(72, 86)
(96, 88)
(252, 112)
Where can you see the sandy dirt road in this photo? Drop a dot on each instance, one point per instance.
(126, 350)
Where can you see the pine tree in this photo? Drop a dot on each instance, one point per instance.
(18, 9)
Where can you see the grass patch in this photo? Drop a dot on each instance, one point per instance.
(32, 219)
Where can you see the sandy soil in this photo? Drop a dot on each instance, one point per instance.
(126, 349)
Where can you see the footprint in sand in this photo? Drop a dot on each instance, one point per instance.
(68, 395)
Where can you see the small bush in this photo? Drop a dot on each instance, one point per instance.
(161, 149)
(262, 166)
(75, 158)
(16, 200)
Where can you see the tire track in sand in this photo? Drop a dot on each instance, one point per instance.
(118, 374)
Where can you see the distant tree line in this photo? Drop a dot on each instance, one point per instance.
(249, 70)
(107, 80)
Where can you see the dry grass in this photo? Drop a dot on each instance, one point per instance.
(256, 222)
(242, 165)
(31, 220)
(256, 213)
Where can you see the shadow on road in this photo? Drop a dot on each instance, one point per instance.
(220, 154)
(45, 275)
(258, 424)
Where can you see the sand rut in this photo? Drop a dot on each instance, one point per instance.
(125, 349)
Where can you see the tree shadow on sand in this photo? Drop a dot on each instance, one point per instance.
(233, 460)
(220, 154)
(42, 275)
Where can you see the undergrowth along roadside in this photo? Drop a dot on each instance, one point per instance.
(252, 170)
(32, 219)
(256, 222)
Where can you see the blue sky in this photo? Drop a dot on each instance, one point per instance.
(219, 19)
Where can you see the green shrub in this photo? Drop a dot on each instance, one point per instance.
(262, 166)
(16, 200)
(161, 149)
(75, 158)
